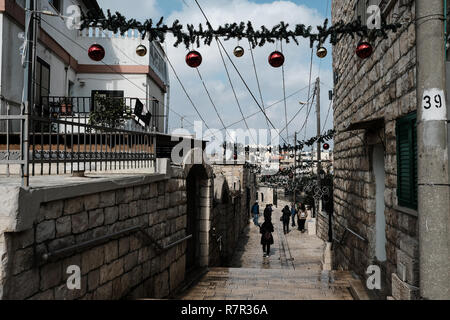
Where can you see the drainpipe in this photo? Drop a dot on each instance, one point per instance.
(432, 140)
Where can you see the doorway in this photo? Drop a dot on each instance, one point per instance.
(198, 198)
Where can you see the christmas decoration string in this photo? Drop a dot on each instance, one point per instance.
(191, 35)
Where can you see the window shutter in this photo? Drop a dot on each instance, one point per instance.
(407, 161)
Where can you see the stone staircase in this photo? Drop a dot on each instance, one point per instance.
(270, 284)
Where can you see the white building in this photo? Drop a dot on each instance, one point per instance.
(64, 69)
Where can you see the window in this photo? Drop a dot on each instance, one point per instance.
(57, 4)
(42, 81)
(407, 161)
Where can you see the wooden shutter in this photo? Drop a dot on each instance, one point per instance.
(407, 161)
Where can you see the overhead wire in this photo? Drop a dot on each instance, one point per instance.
(257, 81)
(284, 94)
(113, 71)
(238, 72)
(234, 91)
(268, 107)
(213, 104)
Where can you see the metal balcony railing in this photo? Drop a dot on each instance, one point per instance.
(60, 136)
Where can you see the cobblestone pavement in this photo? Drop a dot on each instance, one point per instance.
(292, 272)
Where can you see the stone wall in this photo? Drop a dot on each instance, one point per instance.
(127, 265)
(123, 267)
(322, 225)
(230, 212)
(383, 86)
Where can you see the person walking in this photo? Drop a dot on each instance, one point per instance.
(268, 212)
(293, 213)
(255, 213)
(302, 216)
(266, 236)
(286, 218)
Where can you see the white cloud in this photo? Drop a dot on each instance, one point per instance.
(297, 63)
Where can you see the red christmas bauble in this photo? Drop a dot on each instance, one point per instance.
(326, 146)
(276, 59)
(364, 50)
(96, 52)
(193, 59)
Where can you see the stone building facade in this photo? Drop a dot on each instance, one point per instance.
(234, 194)
(127, 235)
(370, 96)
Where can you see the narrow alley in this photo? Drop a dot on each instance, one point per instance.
(292, 272)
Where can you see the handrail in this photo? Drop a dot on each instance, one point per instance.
(87, 244)
(91, 243)
(352, 232)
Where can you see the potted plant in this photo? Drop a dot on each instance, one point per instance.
(109, 112)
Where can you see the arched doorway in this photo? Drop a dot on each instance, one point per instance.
(198, 189)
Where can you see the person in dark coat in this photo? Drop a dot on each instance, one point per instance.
(266, 236)
(268, 212)
(286, 218)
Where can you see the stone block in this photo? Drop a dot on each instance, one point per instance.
(96, 218)
(92, 259)
(92, 201)
(72, 206)
(133, 209)
(111, 215)
(63, 226)
(135, 243)
(23, 260)
(107, 199)
(25, 239)
(93, 279)
(80, 222)
(177, 270)
(408, 266)
(61, 243)
(162, 285)
(44, 296)
(136, 276)
(51, 275)
(23, 286)
(152, 205)
(45, 231)
(137, 193)
(111, 251)
(124, 196)
(124, 211)
(51, 210)
(104, 292)
(124, 246)
(161, 188)
(130, 261)
(153, 190)
(403, 291)
(111, 271)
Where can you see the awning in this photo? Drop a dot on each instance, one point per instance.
(366, 125)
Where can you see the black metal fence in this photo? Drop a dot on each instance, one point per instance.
(60, 137)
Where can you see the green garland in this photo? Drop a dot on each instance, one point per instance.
(301, 144)
(119, 23)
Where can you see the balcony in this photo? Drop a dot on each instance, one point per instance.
(65, 135)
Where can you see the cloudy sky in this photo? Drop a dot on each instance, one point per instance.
(259, 12)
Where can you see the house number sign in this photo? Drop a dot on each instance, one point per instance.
(433, 105)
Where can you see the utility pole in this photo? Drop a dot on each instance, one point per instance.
(319, 146)
(28, 86)
(432, 140)
(295, 167)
